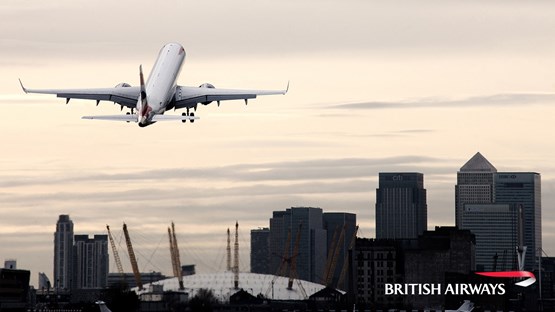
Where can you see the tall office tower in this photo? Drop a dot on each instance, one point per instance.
(311, 256)
(480, 193)
(495, 227)
(91, 261)
(523, 191)
(63, 253)
(344, 224)
(475, 185)
(260, 251)
(401, 209)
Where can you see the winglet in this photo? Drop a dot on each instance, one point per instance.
(22, 87)
(287, 89)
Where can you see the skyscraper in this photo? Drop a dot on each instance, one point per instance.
(260, 251)
(91, 261)
(345, 225)
(503, 210)
(401, 209)
(475, 185)
(495, 227)
(63, 253)
(311, 256)
(523, 191)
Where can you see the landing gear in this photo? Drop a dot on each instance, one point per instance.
(128, 113)
(188, 114)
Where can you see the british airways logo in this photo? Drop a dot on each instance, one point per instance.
(428, 289)
(530, 277)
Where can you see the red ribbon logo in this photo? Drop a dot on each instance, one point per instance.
(531, 278)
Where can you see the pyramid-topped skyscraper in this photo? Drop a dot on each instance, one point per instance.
(475, 185)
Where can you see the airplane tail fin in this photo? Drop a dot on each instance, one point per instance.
(144, 104)
(102, 306)
(467, 306)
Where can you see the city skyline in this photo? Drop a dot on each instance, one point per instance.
(380, 87)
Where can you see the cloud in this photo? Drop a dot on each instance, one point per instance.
(319, 169)
(496, 100)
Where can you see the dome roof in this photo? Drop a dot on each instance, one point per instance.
(221, 285)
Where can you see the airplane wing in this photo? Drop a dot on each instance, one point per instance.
(126, 96)
(189, 97)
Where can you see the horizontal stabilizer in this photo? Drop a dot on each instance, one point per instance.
(172, 117)
(133, 117)
(113, 117)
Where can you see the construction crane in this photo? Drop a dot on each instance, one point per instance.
(293, 272)
(285, 259)
(236, 257)
(228, 251)
(330, 255)
(292, 262)
(172, 252)
(341, 280)
(115, 252)
(132, 258)
(176, 259)
(336, 251)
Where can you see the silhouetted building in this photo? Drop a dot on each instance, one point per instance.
(44, 282)
(14, 289)
(548, 283)
(444, 251)
(90, 261)
(311, 256)
(260, 251)
(523, 191)
(401, 209)
(378, 261)
(188, 269)
(63, 253)
(10, 264)
(495, 227)
(344, 224)
(128, 279)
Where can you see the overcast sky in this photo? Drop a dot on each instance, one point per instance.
(375, 86)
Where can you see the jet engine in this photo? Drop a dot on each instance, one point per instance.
(209, 86)
(123, 85)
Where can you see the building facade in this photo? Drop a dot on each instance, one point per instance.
(495, 227)
(401, 209)
(90, 261)
(475, 185)
(341, 234)
(447, 250)
(63, 253)
(523, 191)
(378, 262)
(260, 251)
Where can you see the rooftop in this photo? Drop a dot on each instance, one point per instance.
(478, 163)
(221, 285)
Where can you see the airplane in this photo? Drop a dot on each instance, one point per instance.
(159, 94)
(102, 306)
(467, 306)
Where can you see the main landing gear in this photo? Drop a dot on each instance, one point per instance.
(188, 114)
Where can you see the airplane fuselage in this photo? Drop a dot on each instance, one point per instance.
(161, 84)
